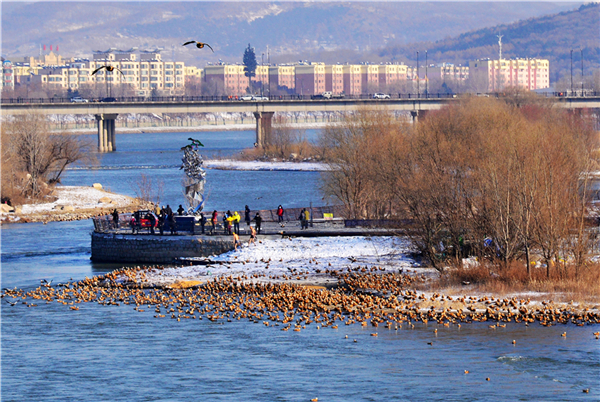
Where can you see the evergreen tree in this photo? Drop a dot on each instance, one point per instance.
(250, 64)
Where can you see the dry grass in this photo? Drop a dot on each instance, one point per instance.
(564, 284)
(292, 152)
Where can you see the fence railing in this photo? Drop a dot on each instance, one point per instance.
(229, 98)
(192, 225)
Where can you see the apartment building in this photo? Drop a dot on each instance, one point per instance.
(449, 71)
(282, 77)
(8, 75)
(334, 79)
(390, 74)
(310, 78)
(498, 74)
(353, 84)
(227, 78)
(370, 77)
(143, 73)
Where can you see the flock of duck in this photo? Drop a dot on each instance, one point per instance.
(367, 296)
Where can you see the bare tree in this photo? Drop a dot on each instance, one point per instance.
(353, 150)
(41, 156)
(148, 189)
(498, 179)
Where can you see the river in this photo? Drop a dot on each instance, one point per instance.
(102, 353)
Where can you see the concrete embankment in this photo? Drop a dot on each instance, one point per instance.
(129, 248)
(156, 249)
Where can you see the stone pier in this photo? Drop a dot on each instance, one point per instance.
(129, 248)
(106, 132)
(263, 128)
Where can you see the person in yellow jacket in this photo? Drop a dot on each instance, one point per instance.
(235, 219)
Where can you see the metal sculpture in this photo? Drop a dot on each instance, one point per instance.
(195, 176)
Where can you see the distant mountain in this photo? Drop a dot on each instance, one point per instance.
(551, 37)
(290, 29)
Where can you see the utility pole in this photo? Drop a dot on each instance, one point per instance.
(418, 84)
(426, 78)
(571, 71)
(499, 60)
(581, 72)
(268, 72)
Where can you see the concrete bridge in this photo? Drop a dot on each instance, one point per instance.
(107, 112)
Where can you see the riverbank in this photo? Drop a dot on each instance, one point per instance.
(331, 281)
(69, 203)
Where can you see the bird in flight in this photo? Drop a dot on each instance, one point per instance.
(108, 68)
(199, 45)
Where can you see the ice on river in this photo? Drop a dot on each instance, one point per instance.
(229, 164)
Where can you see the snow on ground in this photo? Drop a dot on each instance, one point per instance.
(229, 164)
(281, 256)
(78, 198)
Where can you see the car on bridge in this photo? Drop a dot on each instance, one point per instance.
(78, 99)
(259, 98)
(108, 99)
(246, 97)
(381, 96)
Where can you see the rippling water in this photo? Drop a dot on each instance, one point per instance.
(113, 353)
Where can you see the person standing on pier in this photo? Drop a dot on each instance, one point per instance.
(151, 220)
(258, 220)
(214, 220)
(172, 222)
(180, 210)
(161, 223)
(115, 216)
(227, 222)
(306, 218)
(301, 219)
(236, 222)
(202, 221)
(280, 214)
(247, 215)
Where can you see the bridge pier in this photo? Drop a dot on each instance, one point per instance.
(106, 132)
(416, 114)
(263, 128)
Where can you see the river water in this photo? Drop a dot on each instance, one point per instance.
(103, 353)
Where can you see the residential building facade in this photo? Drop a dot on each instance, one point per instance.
(310, 78)
(524, 73)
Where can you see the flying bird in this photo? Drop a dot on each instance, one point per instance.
(108, 68)
(199, 45)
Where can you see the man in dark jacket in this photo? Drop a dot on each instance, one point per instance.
(258, 220)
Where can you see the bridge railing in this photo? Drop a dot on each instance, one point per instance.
(294, 97)
(190, 224)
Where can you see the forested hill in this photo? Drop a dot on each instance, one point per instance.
(551, 37)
